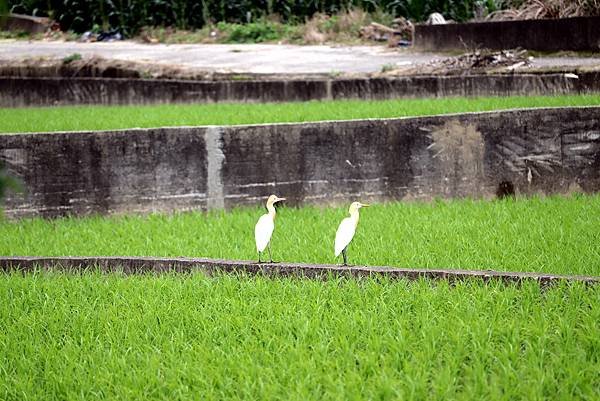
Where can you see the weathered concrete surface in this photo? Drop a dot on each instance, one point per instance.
(251, 58)
(24, 23)
(134, 265)
(239, 58)
(83, 173)
(465, 85)
(20, 92)
(467, 155)
(577, 34)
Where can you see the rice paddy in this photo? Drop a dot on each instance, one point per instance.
(551, 234)
(187, 337)
(94, 336)
(82, 118)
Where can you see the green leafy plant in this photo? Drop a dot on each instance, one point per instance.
(387, 67)
(3, 9)
(253, 32)
(72, 57)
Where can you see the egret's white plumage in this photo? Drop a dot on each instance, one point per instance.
(344, 234)
(265, 226)
(346, 230)
(263, 231)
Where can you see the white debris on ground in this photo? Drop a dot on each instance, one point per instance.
(510, 59)
(472, 62)
(436, 19)
(400, 33)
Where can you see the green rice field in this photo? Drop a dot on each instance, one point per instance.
(189, 337)
(93, 336)
(550, 234)
(76, 118)
(82, 336)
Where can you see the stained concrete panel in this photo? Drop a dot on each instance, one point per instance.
(578, 34)
(107, 172)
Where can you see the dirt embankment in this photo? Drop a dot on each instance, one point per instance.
(99, 67)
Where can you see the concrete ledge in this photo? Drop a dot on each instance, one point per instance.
(135, 265)
(35, 91)
(576, 34)
(476, 155)
(24, 23)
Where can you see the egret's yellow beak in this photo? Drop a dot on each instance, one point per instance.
(279, 199)
(364, 205)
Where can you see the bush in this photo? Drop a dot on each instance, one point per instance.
(129, 16)
(261, 31)
(73, 57)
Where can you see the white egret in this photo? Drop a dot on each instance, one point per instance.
(265, 226)
(346, 230)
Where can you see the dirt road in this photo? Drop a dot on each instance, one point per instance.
(258, 59)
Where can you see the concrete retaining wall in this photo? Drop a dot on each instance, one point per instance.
(165, 169)
(144, 265)
(578, 34)
(24, 23)
(35, 91)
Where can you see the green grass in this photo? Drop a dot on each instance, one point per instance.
(553, 234)
(119, 117)
(178, 337)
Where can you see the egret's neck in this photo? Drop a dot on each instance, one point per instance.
(271, 210)
(354, 216)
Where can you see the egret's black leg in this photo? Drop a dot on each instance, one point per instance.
(259, 261)
(345, 257)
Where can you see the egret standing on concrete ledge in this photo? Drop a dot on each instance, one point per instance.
(265, 226)
(346, 230)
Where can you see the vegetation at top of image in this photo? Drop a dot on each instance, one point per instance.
(536, 9)
(553, 234)
(81, 118)
(14, 35)
(252, 21)
(131, 16)
(254, 32)
(343, 27)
